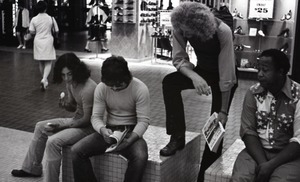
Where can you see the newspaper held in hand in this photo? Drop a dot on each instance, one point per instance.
(213, 132)
(117, 136)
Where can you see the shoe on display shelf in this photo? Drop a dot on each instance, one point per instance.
(284, 33)
(238, 30)
(118, 8)
(119, 2)
(284, 48)
(287, 16)
(261, 33)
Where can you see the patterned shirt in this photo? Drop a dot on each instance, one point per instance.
(276, 121)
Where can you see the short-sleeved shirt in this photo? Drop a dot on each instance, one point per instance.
(275, 121)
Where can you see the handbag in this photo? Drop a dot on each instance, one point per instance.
(56, 41)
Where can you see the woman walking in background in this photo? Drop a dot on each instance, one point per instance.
(21, 24)
(43, 49)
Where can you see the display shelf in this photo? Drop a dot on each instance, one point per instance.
(254, 35)
(124, 11)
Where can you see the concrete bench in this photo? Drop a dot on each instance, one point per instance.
(182, 167)
(221, 169)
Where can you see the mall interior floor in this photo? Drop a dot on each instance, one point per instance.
(23, 104)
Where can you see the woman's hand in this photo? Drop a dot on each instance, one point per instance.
(53, 127)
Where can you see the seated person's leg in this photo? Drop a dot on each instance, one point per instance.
(87, 147)
(244, 168)
(137, 155)
(288, 172)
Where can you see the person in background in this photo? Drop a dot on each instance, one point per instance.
(43, 49)
(270, 124)
(126, 102)
(51, 135)
(21, 24)
(215, 72)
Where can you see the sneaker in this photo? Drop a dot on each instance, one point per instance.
(21, 173)
(20, 46)
(24, 47)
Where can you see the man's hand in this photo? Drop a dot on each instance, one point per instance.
(201, 86)
(105, 132)
(264, 171)
(222, 117)
(124, 144)
(127, 141)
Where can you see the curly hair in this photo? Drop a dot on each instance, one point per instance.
(80, 72)
(279, 59)
(194, 18)
(115, 70)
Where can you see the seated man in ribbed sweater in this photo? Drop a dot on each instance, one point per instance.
(127, 104)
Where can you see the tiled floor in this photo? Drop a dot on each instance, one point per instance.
(22, 104)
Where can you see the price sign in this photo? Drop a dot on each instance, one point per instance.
(165, 18)
(261, 8)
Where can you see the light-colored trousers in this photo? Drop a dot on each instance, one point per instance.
(52, 145)
(244, 169)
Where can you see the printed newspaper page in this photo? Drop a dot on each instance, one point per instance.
(213, 132)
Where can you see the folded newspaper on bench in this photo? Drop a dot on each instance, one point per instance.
(213, 132)
(117, 137)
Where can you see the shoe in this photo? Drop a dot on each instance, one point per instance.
(284, 47)
(288, 15)
(118, 8)
(238, 30)
(44, 85)
(21, 173)
(86, 50)
(20, 46)
(261, 33)
(176, 143)
(239, 15)
(24, 47)
(119, 14)
(129, 8)
(284, 33)
(104, 50)
(95, 39)
(130, 2)
(119, 2)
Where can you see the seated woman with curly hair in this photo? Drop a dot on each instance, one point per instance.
(51, 135)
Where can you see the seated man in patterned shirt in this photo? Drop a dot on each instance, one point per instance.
(270, 124)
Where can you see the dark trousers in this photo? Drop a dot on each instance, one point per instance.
(94, 144)
(173, 84)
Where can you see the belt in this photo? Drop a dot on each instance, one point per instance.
(273, 150)
(120, 127)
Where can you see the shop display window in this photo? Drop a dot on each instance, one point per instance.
(262, 25)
